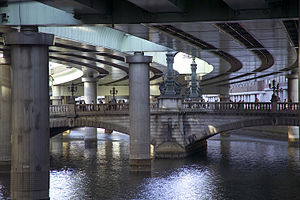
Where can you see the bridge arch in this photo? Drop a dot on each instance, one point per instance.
(212, 130)
(58, 126)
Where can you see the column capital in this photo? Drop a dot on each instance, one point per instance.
(292, 76)
(89, 79)
(28, 38)
(138, 57)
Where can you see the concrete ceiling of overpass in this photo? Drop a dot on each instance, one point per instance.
(243, 40)
(106, 64)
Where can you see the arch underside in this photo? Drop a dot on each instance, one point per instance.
(61, 125)
(211, 130)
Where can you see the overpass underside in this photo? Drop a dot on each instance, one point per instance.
(243, 41)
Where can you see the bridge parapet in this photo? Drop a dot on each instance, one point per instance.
(177, 132)
(246, 107)
(71, 110)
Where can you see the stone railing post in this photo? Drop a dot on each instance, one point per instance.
(274, 106)
(72, 110)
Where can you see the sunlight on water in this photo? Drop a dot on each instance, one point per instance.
(234, 168)
(66, 184)
(184, 183)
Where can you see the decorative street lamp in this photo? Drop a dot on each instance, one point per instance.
(194, 91)
(276, 90)
(114, 92)
(72, 88)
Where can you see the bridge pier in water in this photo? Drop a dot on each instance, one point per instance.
(90, 97)
(293, 92)
(30, 113)
(139, 111)
(5, 113)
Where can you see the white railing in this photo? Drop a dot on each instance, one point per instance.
(236, 106)
(102, 107)
(60, 108)
(186, 106)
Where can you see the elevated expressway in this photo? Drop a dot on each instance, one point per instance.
(243, 41)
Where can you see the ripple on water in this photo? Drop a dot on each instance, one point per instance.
(231, 170)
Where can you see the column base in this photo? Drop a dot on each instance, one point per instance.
(170, 150)
(90, 143)
(197, 147)
(294, 143)
(175, 150)
(140, 165)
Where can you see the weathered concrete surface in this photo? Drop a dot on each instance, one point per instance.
(139, 111)
(30, 114)
(293, 93)
(5, 112)
(90, 97)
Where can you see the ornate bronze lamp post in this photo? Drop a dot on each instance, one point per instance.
(114, 92)
(72, 88)
(276, 89)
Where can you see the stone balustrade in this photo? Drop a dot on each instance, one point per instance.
(190, 106)
(237, 106)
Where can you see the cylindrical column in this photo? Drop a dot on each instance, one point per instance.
(90, 90)
(139, 111)
(90, 97)
(292, 87)
(56, 95)
(30, 113)
(5, 111)
(293, 131)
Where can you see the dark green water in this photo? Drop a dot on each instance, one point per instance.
(234, 168)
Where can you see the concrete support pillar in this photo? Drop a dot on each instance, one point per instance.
(56, 95)
(90, 90)
(5, 112)
(293, 87)
(139, 111)
(293, 131)
(30, 113)
(90, 97)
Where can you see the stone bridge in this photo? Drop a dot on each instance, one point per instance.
(177, 131)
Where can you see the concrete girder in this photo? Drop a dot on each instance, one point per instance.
(200, 11)
(34, 13)
(105, 37)
(160, 5)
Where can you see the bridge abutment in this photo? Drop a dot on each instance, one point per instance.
(30, 113)
(5, 112)
(293, 131)
(139, 111)
(172, 134)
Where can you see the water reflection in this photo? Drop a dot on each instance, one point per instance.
(4, 185)
(234, 167)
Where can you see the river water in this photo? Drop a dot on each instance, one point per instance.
(233, 168)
